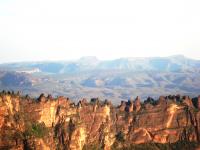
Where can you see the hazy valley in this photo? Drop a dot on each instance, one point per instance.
(115, 80)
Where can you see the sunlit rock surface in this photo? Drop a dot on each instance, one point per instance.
(57, 123)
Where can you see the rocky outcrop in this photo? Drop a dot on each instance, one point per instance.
(58, 123)
(187, 101)
(137, 104)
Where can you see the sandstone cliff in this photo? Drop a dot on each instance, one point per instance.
(48, 123)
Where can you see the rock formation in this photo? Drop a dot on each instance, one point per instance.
(122, 106)
(57, 123)
(187, 101)
(137, 104)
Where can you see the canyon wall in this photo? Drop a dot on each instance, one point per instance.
(57, 123)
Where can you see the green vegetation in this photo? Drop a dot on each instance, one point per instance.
(38, 130)
(120, 137)
(196, 110)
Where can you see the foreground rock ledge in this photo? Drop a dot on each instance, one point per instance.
(58, 123)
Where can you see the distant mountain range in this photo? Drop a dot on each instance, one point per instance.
(117, 79)
(172, 63)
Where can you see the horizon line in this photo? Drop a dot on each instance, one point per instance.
(96, 57)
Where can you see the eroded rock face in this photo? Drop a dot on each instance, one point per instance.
(122, 106)
(137, 104)
(60, 124)
(187, 101)
(162, 101)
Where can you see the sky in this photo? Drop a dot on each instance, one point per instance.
(69, 29)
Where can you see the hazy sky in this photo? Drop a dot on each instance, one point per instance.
(69, 29)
